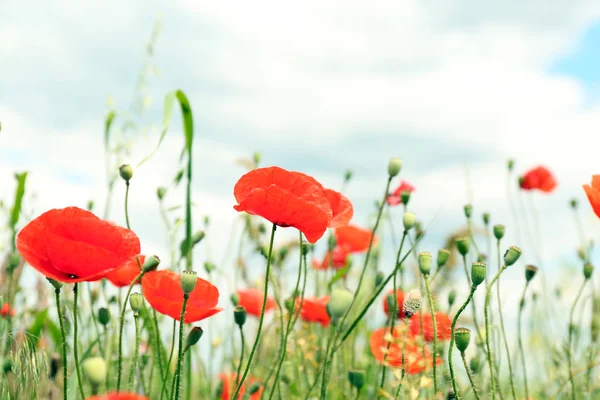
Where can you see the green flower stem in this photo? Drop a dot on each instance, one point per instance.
(126, 204)
(469, 374)
(177, 377)
(64, 341)
(121, 326)
(262, 315)
(165, 377)
(520, 337)
(399, 388)
(282, 328)
(487, 330)
(75, 349)
(474, 308)
(243, 341)
(329, 349)
(569, 344)
(470, 228)
(432, 310)
(136, 318)
(451, 346)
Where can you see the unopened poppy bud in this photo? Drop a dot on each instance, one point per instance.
(305, 248)
(405, 197)
(478, 270)
(95, 370)
(126, 172)
(498, 231)
(255, 387)
(57, 285)
(256, 157)
(13, 261)
(462, 337)
(103, 316)
(409, 220)
(394, 167)
(581, 254)
(338, 303)
(136, 301)
(451, 395)
(160, 192)
(331, 242)
(425, 261)
(239, 315)
(510, 164)
(262, 228)
(235, 299)
(530, 271)
(194, 336)
(188, 281)
(587, 270)
(7, 366)
(451, 297)
(520, 181)
(412, 303)
(209, 267)
(573, 203)
(468, 208)
(512, 255)
(348, 175)
(356, 378)
(475, 364)
(289, 304)
(151, 263)
(379, 277)
(462, 245)
(283, 252)
(481, 257)
(442, 257)
(486, 218)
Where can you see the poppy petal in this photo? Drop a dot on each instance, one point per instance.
(341, 207)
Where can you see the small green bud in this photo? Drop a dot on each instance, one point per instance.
(104, 316)
(151, 263)
(7, 366)
(13, 261)
(451, 297)
(188, 281)
(405, 197)
(510, 164)
(478, 271)
(379, 277)
(338, 303)
(136, 301)
(425, 261)
(356, 378)
(126, 172)
(161, 192)
(256, 157)
(209, 267)
(462, 245)
(194, 336)
(574, 204)
(581, 254)
(486, 219)
(239, 315)
(289, 304)
(462, 336)
(588, 268)
(255, 387)
(475, 364)
(305, 248)
(348, 175)
(498, 231)
(394, 167)
(283, 252)
(442, 257)
(331, 242)
(512, 255)
(530, 271)
(57, 285)
(262, 229)
(468, 210)
(95, 370)
(481, 257)
(409, 220)
(235, 299)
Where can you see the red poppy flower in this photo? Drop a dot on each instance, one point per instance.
(163, 291)
(315, 310)
(341, 208)
(228, 385)
(389, 300)
(443, 323)
(7, 310)
(416, 361)
(396, 197)
(335, 258)
(539, 178)
(354, 239)
(118, 396)
(74, 245)
(593, 193)
(126, 274)
(286, 199)
(252, 301)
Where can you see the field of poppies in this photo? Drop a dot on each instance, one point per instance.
(111, 323)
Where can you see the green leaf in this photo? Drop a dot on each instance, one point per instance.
(167, 114)
(35, 329)
(339, 274)
(19, 193)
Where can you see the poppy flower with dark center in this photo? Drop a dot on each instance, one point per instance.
(593, 194)
(252, 301)
(396, 197)
(388, 301)
(286, 199)
(229, 384)
(341, 208)
(74, 245)
(7, 310)
(539, 178)
(354, 239)
(443, 323)
(163, 291)
(335, 258)
(118, 396)
(126, 274)
(315, 310)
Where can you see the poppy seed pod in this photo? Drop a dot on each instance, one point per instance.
(104, 316)
(136, 301)
(462, 336)
(239, 315)
(451, 297)
(462, 245)
(57, 285)
(409, 220)
(468, 210)
(126, 172)
(405, 197)
(194, 336)
(412, 303)
(95, 370)
(160, 192)
(486, 218)
(356, 378)
(512, 255)
(425, 261)
(188, 281)
(530, 271)
(478, 271)
(338, 303)
(498, 231)
(394, 167)
(379, 277)
(587, 270)
(151, 263)
(442, 257)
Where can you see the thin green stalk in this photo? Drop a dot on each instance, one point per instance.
(166, 374)
(121, 326)
(451, 346)
(75, 349)
(469, 374)
(64, 341)
(329, 348)
(262, 315)
(520, 333)
(470, 229)
(399, 388)
(487, 331)
(474, 309)
(131, 384)
(569, 355)
(432, 310)
(243, 341)
(177, 377)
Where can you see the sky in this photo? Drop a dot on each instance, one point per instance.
(319, 87)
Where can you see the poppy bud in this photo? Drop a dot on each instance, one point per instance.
(356, 378)
(262, 229)
(409, 220)
(103, 316)
(587, 270)
(425, 261)
(442, 257)
(7, 366)
(412, 303)
(126, 172)
(57, 285)
(468, 210)
(239, 315)
(95, 370)
(160, 192)
(188, 281)
(338, 303)
(219, 390)
(462, 244)
(451, 297)
(486, 218)
(283, 252)
(462, 336)
(331, 242)
(255, 387)
(581, 254)
(151, 263)
(478, 270)
(475, 364)
(512, 255)
(394, 167)
(379, 277)
(235, 299)
(305, 248)
(136, 301)
(13, 261)
(573, 204)
(510, 164)
(348, 175)
(289, 304)
(209, 267)
(194, 336)
(256, 157)
(530, 271)
(498, 231)
(405, 197)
